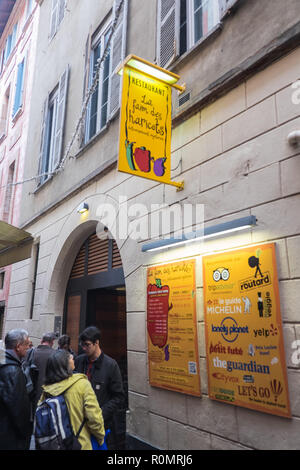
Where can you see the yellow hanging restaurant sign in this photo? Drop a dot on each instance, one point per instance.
(145, 124)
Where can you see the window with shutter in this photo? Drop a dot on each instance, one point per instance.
(14, 36)
(60, 120)
(53, 119)
(4, 113)
(97, 107)
(19, 88)
(7, 48)
(1, 61)
(9, 193)
(57, 14)
(105, 100)
(182, 24)
(167, 43)
(118, 53)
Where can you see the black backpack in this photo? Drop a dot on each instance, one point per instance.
(52, 426)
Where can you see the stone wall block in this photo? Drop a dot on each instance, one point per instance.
(290, 300)
(274, 78)
(136, 332)
(264, 431)
(249, 124)
(212, 416)
(137, 372)
(185, 438)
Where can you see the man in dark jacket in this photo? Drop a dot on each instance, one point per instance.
(15, 427)
(39, 357)
(105, 377)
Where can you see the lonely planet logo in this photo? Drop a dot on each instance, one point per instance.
(229, 329)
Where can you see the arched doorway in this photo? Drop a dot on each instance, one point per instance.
(95, 295)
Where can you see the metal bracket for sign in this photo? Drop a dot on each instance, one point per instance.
(179, 184)
(180, 88)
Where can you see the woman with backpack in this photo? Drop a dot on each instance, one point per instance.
(85, 415)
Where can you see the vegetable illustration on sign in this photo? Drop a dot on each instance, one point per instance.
(143, 159)
(158, 309)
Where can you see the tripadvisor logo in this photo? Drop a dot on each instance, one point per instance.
(259, 279)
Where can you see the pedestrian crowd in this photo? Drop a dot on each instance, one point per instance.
(88, 388)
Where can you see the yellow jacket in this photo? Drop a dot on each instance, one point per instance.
(82, 403)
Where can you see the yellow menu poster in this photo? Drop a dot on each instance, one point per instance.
(172, 327)
(244, 337)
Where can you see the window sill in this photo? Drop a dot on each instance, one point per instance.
(184, 58)
(2, 138)
(42, 185)
(17, 114)
(93, 140)
(98, 136)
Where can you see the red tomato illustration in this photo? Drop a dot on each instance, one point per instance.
(157, 314)
(142, 158)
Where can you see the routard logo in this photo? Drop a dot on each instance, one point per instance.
(259, 279)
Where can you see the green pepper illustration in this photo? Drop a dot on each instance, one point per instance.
(129, 154)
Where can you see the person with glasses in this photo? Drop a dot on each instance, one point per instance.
(104, 374)
(15, 408)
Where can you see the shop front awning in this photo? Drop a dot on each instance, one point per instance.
(15, 244)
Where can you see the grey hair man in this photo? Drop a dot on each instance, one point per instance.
(15, 425)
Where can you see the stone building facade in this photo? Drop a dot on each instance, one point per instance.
(230, 146)
(17, 55)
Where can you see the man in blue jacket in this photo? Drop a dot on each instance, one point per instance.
(15, 426)
(105, 377)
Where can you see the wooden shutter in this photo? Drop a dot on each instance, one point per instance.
(43, 145)
(98, 255)
(14, 36)
(61, 11)
(116, 257)
(117, 55)
(79, 264)
(168, 31)
(103, 255)
(19, 87)
(73, 319)
(1, 61)
(54, 16)
(88, 46)
(60, 117)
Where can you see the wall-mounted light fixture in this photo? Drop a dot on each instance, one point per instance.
(294, 138)
(208, 232)
(82, 208)
(152, 70)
